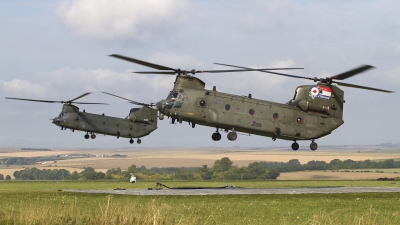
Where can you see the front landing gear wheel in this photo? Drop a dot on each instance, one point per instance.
(93, 136)
(86, 136)
(139, 141)
(216, 136)
(313, 146)
(232, 136)
(295, 146)
(131, 141)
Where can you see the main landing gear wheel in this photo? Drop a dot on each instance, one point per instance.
(86, 136)
(295, 146)
(313, 146)
(93, 136)
(131, 141)
(139, 141)
(232, 136)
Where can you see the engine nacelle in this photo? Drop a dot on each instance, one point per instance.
(313, 106)
(143, 115)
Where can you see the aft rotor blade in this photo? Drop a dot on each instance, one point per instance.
(116, 96)
(352, 72)
(34, 100)
(81, 96)
(156, 72)
(142, 104)
(264, 70)
(143, 63)
(90, 103)
(361, 87)
(246, 68)
(137, 103)
(130, 101)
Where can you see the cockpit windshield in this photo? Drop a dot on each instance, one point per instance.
(177, 95)
(62, 114)
(173, 95)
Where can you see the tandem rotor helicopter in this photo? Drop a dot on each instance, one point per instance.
(314, 112)
(139, 123)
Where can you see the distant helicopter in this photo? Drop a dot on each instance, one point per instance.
(139, 123)
(314, 112)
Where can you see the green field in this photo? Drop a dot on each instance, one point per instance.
(44, 202)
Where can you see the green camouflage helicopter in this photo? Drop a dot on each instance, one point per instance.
(314, 112)
(139, 123)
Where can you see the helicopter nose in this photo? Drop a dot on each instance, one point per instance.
(159, 105)
(55, 121)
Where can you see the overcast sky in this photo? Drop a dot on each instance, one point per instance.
(57, 50)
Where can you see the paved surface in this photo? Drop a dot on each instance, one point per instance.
(244, 191)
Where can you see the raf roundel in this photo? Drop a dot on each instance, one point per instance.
(314, 91)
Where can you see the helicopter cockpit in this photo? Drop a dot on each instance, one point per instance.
(175, 99)
(63, 115)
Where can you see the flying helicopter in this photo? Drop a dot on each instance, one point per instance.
(314, 111)
(139, 123)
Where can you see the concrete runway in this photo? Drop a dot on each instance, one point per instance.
(244, 191)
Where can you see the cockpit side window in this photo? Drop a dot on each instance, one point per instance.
(295, 94)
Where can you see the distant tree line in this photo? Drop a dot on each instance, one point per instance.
(336, 164)
(8, 177)
(27, 160)
(35, 149)
(18, 161)
(222, 169)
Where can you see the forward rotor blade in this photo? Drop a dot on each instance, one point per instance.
(352, 72)
(81, 96)
(66, 102)
(361, 87)
(243, 70)
(34, 100)
(143, 63)
(214, 71)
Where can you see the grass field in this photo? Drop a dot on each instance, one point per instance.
(49, 202)
(46, 203)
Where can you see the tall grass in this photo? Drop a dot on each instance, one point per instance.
(105, 210)
(77, 208)
(46, 203)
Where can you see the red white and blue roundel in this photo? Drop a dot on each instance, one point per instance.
(320, 92)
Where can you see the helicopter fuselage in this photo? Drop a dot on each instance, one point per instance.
(140, 122)
(302, 118)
